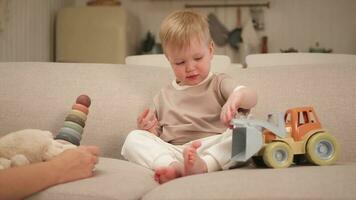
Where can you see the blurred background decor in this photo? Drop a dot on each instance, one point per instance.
(104, 3)
(29, 31)
(149, 45)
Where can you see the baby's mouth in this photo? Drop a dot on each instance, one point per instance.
(192, 76)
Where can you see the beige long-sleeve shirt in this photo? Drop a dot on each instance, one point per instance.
(187, 113)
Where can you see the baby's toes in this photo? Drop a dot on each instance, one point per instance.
(192, 155)
(156, 177)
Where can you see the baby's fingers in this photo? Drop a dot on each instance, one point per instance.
(223, 117)
(149, 124)
(142, 115)
(151, 115)
(226, 117)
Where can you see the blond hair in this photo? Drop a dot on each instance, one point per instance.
(181, 26)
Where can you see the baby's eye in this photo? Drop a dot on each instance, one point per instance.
(198, 58)
(179, 63)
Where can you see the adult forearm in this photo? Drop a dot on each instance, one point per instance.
(72, 164)
(20, 182)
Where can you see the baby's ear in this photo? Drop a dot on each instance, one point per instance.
(211, 48)
(212, 45)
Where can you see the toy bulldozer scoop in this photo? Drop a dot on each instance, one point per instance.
(247, 138)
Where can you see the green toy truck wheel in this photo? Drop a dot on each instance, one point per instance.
(322, 149)
(278, 155)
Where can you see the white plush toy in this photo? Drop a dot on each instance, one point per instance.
(29, 146)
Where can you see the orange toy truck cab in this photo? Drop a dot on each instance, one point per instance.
(305, 137)
(301, 121)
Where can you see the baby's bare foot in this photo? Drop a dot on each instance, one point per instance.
(165, 174)
(193, 164)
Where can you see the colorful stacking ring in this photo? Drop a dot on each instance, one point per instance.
(81, 107)
(79, 114)
(75, 119)
(68, 137)
(73, 126)
(71, 132)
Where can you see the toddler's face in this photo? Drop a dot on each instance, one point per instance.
(191, 64)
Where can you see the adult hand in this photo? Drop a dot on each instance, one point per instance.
(148, 121)
(74, 164)
(23, 181)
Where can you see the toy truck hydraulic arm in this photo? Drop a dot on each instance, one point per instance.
(247, 138)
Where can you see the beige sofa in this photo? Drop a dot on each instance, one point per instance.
(39, 95)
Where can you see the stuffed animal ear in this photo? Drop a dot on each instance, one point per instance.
(4, 163)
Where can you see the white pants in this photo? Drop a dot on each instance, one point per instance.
(148, 150)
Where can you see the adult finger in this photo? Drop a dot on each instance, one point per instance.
(94, 150)
(95, 159)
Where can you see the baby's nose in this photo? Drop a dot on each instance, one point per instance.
(190, 66)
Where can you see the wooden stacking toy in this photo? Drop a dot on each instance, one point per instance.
(74, 123)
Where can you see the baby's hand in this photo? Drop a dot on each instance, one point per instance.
(147, 120)
(228, 111)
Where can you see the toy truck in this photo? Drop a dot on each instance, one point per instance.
(297, 135)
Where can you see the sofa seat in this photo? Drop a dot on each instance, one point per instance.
(117, 179)
(113, 179)
(296, 182)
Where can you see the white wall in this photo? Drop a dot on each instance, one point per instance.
(28, 34)
(302, 23)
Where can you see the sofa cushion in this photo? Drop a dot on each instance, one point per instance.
(219, 63)
(113, 179)
(40, 96)
(293, 59)
(299, 182)
(36, 98)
